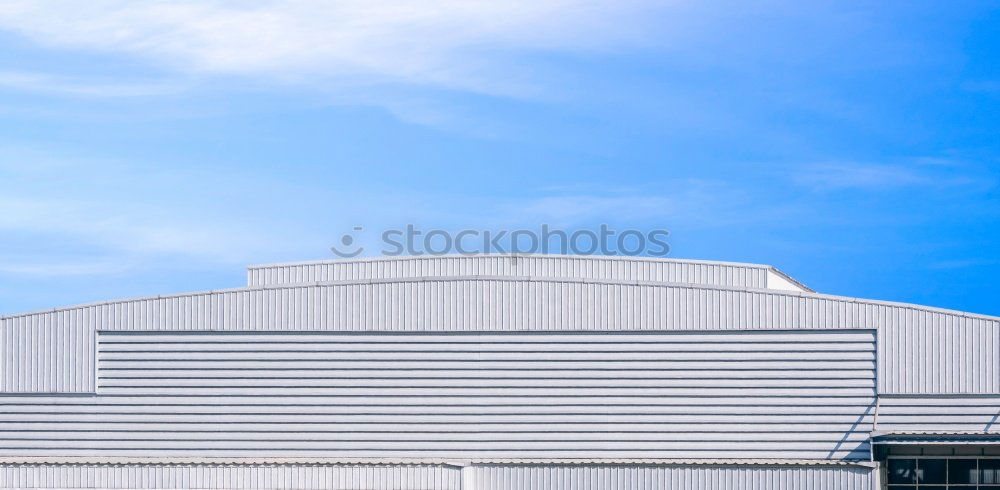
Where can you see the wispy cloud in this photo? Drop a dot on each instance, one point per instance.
(19, 266)
(105, 212)
(576, 209)
(676, 202)
(961, 264)
(450, 43)
(109, 225)
(50, 84)
(832, 176)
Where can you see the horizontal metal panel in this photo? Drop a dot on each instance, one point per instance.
(945, 414)
(478, 410)
(371, 437)
(425, 376)
(47, 353)
(938, 354)
(460, 395)
(507, 341)
(643, 426)
(502, 345)
(476, 392)
(346, 477)
(138, 378)
(571, 477)
(861, 452)
(506, 365)
(551, 266)
(284, 356)
(444, 402)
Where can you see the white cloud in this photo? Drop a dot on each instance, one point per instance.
(960, 264)
(105, 211)
(45, 83)
(453, 43)
(677, 202)
(577, 209)
(874, 176)
(21, 266)
(127, 229)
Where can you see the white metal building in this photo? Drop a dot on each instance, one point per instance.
(502, 372)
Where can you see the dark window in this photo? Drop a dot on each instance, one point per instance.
(962, 471)
(932, 471)
(989, 471)
(902, 471)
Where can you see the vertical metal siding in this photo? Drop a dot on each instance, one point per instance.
(939, 354)
(622, 477)
(479, 305)
(131, 476)
(531, 305)
(47, 353)
(719, 274)
(425, 477)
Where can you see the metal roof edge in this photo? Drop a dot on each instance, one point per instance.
(918, 433)
(929, 309)
(455, 462)
(790, 279)
(382, 258)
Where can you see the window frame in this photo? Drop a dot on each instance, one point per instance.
(949, 486)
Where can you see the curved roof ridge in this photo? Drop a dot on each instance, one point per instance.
(776, 292)
(552, 265)
(384, 258)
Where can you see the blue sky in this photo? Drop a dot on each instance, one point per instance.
(155, 147)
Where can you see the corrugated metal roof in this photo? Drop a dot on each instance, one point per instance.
(935, 437)
(518, 255)
(846, 300)
(531, 265)
(936, 433)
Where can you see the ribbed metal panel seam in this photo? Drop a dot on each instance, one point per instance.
(448, 462)
(862, 307)
(50, 353)
(620, 267)
(495, 477)
(937, 354)
(346, 477)
(479, 477)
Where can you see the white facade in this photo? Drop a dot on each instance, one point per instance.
(489, 372)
